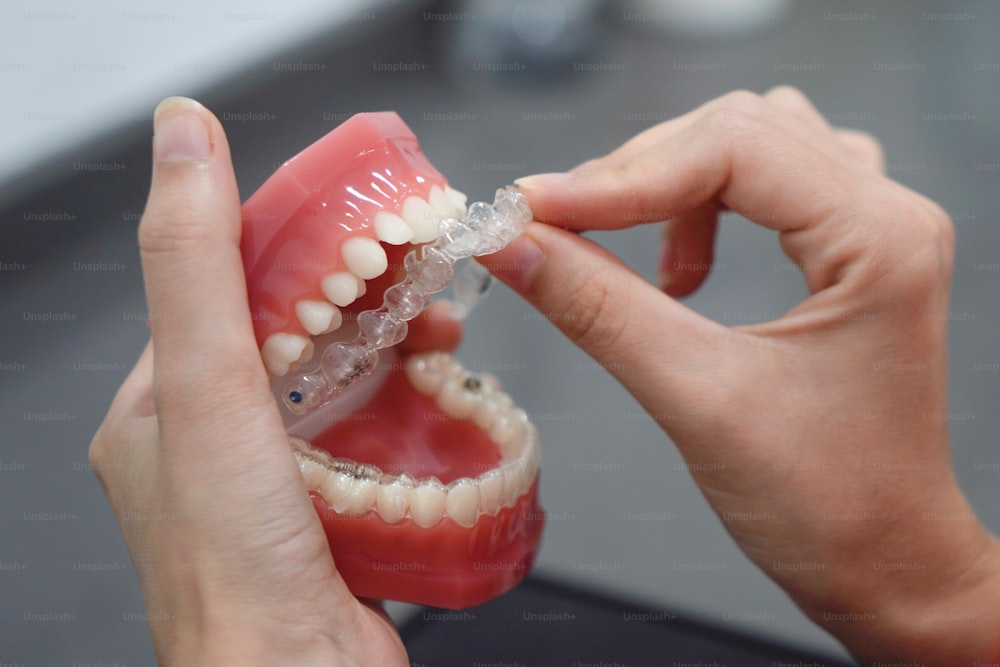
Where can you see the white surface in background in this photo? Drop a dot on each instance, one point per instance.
(71, 71)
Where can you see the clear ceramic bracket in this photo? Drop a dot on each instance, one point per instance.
(485, 229)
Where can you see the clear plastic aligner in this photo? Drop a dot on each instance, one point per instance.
(485, 229)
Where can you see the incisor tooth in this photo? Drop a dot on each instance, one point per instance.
(280, 350)
(364, 257)
(318, 317)
(340, 288)
(427, 503)
(421, 218)
(463, 502)
(391, 228)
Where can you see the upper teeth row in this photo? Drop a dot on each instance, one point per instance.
(485, 229)
(349, 488)
(417, 222)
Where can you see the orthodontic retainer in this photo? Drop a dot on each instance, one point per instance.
(485, 229)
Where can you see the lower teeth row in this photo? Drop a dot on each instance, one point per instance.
(485, 229)
(353, 489)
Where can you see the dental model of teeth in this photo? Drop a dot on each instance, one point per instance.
(485, 229)
(353, 489)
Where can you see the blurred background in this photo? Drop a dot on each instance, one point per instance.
(494, 89)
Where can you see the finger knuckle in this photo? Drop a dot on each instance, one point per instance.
(788, 97)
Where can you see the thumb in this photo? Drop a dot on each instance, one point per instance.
(661, 351)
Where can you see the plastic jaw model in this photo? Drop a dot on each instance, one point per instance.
(424, 475)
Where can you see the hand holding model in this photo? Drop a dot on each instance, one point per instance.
(793, 419)
(833, 409)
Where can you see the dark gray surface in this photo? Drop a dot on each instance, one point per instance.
(65, 573)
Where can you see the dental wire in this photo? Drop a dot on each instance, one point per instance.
(485, 229)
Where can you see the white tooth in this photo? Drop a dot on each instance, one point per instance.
(346, 493)
(340, 288)
(423, 378)
(281, 350)
(509, 432)
(421, 218)
(513, 478)
(427, 504)
(393, 500)
(362, 288)
(442, 203)
(391, 228)
(490, 380)
(456, 401)
(318, 317)
(463, 502)
(458, 197)
(364, 257)
(485, 414)
(364, 493)
(312, 473)
(491, 485)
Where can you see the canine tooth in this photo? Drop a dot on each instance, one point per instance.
(427, 504)
(340, 288)
(313, 473)
(364, 257)
(391, 228)
(456, 401)
(393, 500)
(280, 350)
(513, 478)
(491, 485)
(421, 218)
(423, 377)
(462, 502)
(362, 288)
(457, 196)
(318, 317)
(442, 203)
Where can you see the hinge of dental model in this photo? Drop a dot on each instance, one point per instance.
(485, 229)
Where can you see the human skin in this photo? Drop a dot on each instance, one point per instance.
(193, 456)
(834, 409)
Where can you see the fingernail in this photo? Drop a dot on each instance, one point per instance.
(179, 132)
(514, 264)
(542, 181)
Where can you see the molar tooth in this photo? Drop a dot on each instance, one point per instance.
(427, 503)
(318, 317)
(421, 218)
(280, 350)
(391, 228)
(458, 197)
(442, 203)
(456, 401)
(340, 288)
(423, 376)
(364, 257)
(491, 485)
(393, 499)
(348, 494)
(485, 414)
(313, 473)
(462, 503)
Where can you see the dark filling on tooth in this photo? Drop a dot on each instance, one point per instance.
(472, 383)
(356, 470)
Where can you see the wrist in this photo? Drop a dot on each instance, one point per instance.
(939, 607)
